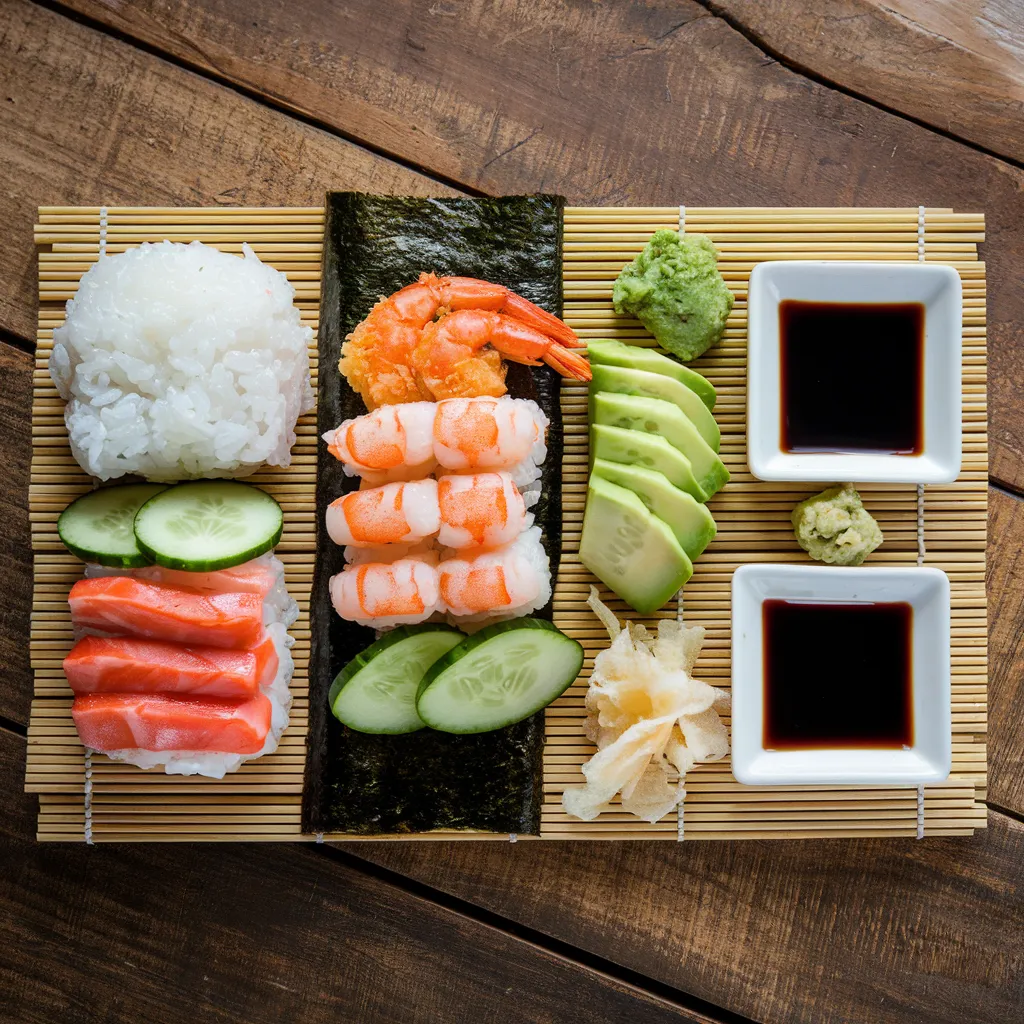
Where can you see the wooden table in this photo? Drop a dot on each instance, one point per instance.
(730, 103)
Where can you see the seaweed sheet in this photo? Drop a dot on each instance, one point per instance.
(426, 780)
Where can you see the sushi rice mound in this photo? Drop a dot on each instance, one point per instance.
(179, 361)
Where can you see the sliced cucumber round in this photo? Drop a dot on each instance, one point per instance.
(376, 691)
(97, 527)
(498, 677)
(208, 525)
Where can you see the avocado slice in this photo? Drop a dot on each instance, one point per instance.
(636, 448)
(623, 381)
(687, 518)
(656, 416)
(630, 550)
(633, 357)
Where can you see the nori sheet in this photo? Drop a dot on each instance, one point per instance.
(362, 784)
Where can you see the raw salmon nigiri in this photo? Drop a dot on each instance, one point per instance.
(124, 605)
(255, 577)
(128, 665)
(146, 721)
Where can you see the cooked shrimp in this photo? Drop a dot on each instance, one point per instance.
(451, 361)
(397, 513)
(390, 443)
(511, 580)
(402, 593)
(488, 433)
(396, 354)
(479, 510)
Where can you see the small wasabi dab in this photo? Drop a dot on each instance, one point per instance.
(675, 290)
(834, 527)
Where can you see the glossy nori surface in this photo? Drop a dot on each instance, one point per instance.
(425, 780)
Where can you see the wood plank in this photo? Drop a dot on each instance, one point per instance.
(15, 542)
(853, 931)
(658, 103)
(956, 66)
(260, 934)
(1006, 651)
(87, 119)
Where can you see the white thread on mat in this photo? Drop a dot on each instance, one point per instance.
(103, 231)
(920, 518)
(920, 524)
(680, 814)
(87, 798)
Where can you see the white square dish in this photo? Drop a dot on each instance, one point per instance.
(928, 759)
(936, 287)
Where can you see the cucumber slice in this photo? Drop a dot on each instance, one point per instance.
(98, 526)
(616, 353)
(498, 677)
(208, 525)
(376, 691)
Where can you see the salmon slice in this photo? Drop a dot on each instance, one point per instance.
(147, 721)
(255, 577)
(267, 661)
(123, 605)
(124, 664)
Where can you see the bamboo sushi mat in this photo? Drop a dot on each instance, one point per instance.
(943, 526)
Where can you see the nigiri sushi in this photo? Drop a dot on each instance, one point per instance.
(128, 665)
(158, 722)
(395, 513)
(263, 576)
(375, 594)
(472, 434)
(122, 605)
(480, 510)
(394, 442)
(501, 583)
(407, 442)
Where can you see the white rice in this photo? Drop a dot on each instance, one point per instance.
(181, 361)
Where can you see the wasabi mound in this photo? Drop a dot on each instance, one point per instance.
(834, 527)
(675, 290)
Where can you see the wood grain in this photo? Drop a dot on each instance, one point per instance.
(610, 104)
(87, 119)
(851, 931)
(15, 542)
(954, 64)
(1006, 650)
(260, 934)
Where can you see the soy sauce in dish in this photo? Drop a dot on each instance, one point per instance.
(838, 675)
(852, 377)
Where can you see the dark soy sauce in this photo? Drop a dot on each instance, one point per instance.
(852, 377)
(838, 676)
